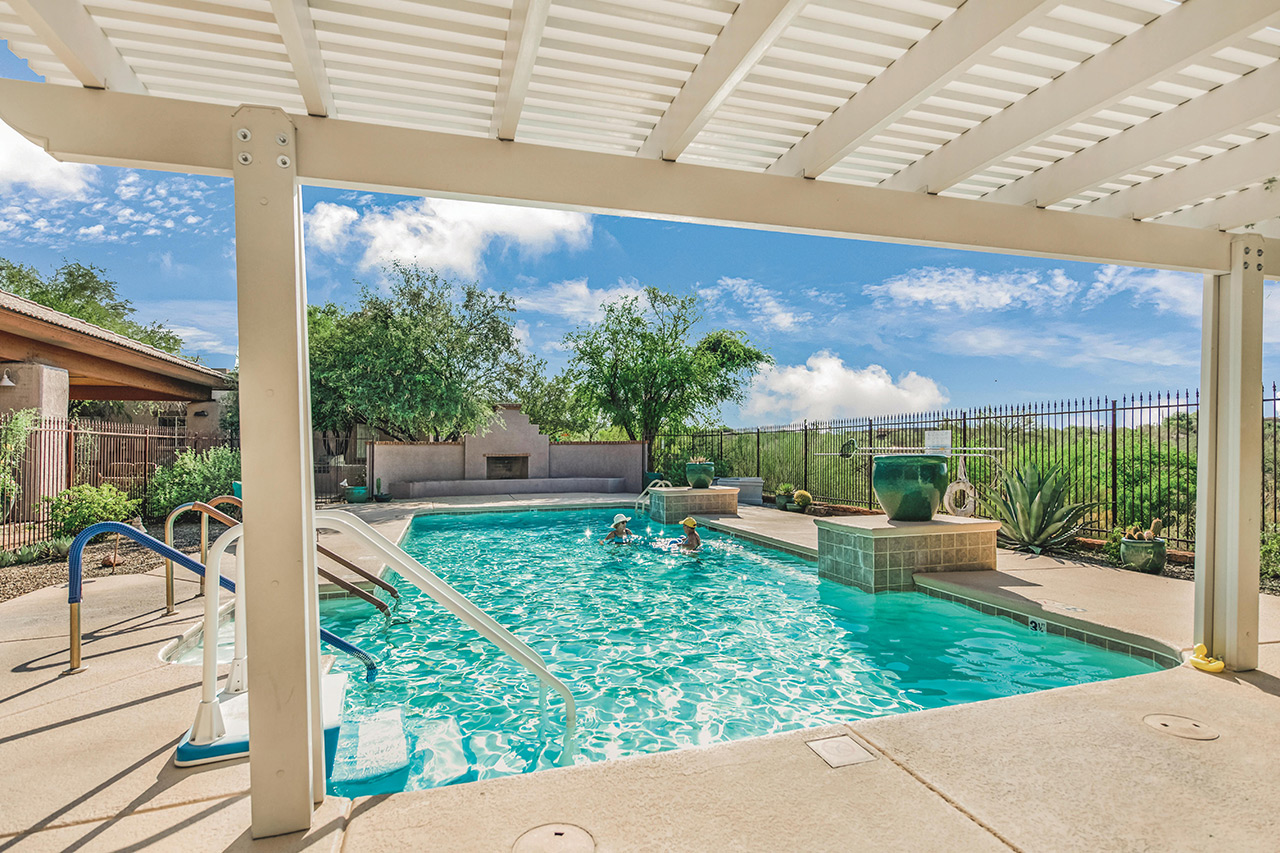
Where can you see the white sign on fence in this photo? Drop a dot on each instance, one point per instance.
(937, 441)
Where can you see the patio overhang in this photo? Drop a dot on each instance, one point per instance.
(1136, 132)
(100, 364)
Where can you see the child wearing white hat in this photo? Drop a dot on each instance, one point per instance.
(619, 533)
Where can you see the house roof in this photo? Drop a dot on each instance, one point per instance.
(1146, 109)
(103, 365)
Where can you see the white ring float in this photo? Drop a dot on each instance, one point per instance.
(961, 498)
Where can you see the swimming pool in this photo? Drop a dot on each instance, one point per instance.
(665, 650)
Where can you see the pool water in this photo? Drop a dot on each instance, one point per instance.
(665, 650)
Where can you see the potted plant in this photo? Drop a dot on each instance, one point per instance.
(699, 471)
(782, 494)
(379, 495)
(1144, 550)
(909, 487)
(800, 501)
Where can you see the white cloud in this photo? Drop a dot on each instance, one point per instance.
(762, 304)
(24, 162)
(1166, 290)
(207, 326)
(1070, 346)
(964, 289)
(825, 387)
(575, 300)
(328, 226)
(443, 233)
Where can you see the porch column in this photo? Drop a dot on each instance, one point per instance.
(1229, 458)
(286, 758)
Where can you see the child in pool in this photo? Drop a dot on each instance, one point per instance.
(619, 533)
(691, 540)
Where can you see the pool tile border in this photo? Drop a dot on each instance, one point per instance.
(1057, 629)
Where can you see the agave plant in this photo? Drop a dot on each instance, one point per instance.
(1032, 508)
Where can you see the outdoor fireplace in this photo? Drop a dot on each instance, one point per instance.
(507, 467)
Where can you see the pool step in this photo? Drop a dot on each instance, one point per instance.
(372, 755)
(235, 718)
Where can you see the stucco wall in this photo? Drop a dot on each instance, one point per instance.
(407, 463)
(592, 459)
(514, 436)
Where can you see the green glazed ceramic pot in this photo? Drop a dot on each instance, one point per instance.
(1139, 555)
(700, 474)
(357, 494)
(909, 488)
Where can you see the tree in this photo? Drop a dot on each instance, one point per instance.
(83, 291)
(429, 361)
(562, 408)
(335, 358)
(638, 367)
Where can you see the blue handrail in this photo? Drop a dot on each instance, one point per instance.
(75, 578)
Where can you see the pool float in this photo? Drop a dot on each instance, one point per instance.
(1200, 659)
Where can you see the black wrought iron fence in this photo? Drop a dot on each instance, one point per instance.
(1132, 459)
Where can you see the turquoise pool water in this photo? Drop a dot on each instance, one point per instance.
(665, 650)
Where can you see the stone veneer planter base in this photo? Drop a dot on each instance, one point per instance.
(670, 506)
(877, 555)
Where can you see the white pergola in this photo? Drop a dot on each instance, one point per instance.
(1138, 132)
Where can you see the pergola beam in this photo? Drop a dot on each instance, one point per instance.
(79, 43)
(1247, 207)
(98, 127)
(298, 32)
(752, 30)
(1187, 34)
(941, 57)
(1245, 164)
(524, 34)
(1203, 120)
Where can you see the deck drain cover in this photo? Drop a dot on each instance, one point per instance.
(840, 751)
(1184, 727)
(555, 838)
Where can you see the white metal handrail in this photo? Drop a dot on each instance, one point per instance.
(460, 606)
(644, 497)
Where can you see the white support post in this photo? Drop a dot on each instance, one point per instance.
(286, 757)
(1229, 476)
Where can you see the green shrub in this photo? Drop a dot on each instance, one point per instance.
(1111, 550)
(80, 506)
(803, 498)
(1270, 566)
(192, 477)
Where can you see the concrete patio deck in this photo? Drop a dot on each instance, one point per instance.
(87, 757)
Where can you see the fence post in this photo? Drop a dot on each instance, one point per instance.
(871, 492)
(1115, 488)
(806, 455)
(758, 474)
(71, 453)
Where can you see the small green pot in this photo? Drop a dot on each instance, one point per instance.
(700, 474)
(357, 494)
(781, 501)
(909, 487)
(1139, 555)
(235, 488)
(794, 507)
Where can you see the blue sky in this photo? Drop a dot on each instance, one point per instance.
(856, 328)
